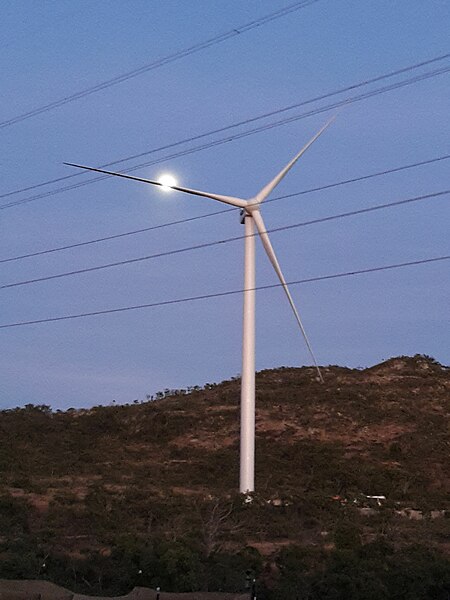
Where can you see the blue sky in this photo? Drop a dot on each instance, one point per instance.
(52, 49)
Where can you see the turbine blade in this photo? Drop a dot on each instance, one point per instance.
(238, 202)
(262, 195)
(273, 259)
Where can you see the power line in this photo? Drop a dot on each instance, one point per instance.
(231, 138)
(218, 242)
(226, 210)
(226, 293)
(219, 130)
(160, 62)
(237, 136)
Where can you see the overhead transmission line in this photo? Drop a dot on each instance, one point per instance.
(223, 241)
(227, 293)
(218, 39)
(290, 119)
(222, 211)
(231, 138)
(272, 113)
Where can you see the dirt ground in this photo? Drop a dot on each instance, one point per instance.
(45, 590)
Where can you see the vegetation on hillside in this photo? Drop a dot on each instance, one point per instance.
(104, 499)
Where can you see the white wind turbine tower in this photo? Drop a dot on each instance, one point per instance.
(251, 217)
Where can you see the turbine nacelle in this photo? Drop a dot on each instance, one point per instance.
(252, 206)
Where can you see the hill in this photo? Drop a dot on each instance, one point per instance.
(145, 494)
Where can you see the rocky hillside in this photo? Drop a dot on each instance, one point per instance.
(80, 482)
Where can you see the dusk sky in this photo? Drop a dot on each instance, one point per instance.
(54, 49)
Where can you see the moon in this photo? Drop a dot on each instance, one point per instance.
(167, 182)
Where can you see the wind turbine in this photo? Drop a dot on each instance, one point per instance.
(251, 217)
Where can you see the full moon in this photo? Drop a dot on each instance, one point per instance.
(167, 182)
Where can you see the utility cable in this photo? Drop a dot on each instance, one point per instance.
(223, 241)
(226, 293)
(160, 62)
(226, 210)
(232, 126)
(235, 136)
